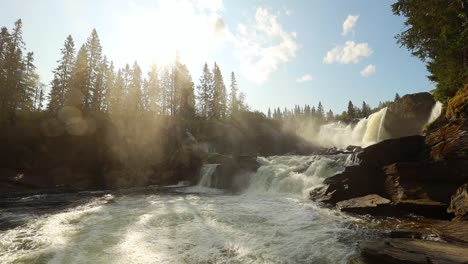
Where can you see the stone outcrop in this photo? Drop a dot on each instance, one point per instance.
(369, 204)
(408, 115)
(459, 203)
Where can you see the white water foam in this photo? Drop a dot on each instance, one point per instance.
(270, 223)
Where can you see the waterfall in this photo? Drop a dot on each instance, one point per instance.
(295, 175)
(435, 113)
(366, 132)
(206, 175)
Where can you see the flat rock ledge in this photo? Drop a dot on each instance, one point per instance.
(404, 250)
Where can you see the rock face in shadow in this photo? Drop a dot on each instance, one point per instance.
(232, 173)
(413, 251)
(408, 115)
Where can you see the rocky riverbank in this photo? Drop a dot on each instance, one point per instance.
(425, 176)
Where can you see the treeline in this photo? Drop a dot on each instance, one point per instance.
(319, 116)
(20, 86)
(88, 81)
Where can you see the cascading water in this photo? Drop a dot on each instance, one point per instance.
(366, 132)
(270, 222)
(295, 175)
(436, 112)
(206, 175)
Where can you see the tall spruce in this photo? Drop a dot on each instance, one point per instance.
(134, 104)
(94, 86)
(205, 92)
(62, 75)
(153, 91)
(218, 104)
(79, 94)
(233, 96)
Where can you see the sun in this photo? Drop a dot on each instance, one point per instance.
(175, 27)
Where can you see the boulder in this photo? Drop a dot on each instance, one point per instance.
(355, 181)
(408, 115)
(231, 173)
(370, 204)
(420, 180)
(393, 251)
(393, 150)
(459, 203)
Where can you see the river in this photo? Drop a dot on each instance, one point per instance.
(271, 221)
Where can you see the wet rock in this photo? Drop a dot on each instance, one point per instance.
(390, 151)
(459, 203)
(232, 172)
(352, 148)
(420, 180)
(355, 181)
(408, 115)
(370, 204)
(450, 142)
(392, 251)
(453, 231)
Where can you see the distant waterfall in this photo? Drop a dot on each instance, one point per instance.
(435, 113)
(206, 175)
(366, 132)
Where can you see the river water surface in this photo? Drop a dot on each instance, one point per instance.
(271, 221)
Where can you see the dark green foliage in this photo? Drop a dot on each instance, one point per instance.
(437, 33)
(62, 76)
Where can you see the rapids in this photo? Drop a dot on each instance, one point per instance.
(272, 221)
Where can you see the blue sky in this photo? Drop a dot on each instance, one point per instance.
(283, 52)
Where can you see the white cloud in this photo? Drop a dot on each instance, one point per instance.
(350, 52)
(263, 46)
(349, 24)
(197, 30)
(368, 70)
(288, 12)
(305, 78)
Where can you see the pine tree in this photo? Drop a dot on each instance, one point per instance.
(100, 86)
(269, 113)
(185, 92)
(330, 116)
(365, 110)
(109, 85)
(218, 103)
(117, 94)
(153, 91)
(233, 100)
(397, 97)
(79, 88)
(62, 75)
(92, 97)
(13, 69)
(134, 104)
(320, 112)
(166, 91)
(4, 40)
(351, 110)
(205, 92)
(29, 82)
